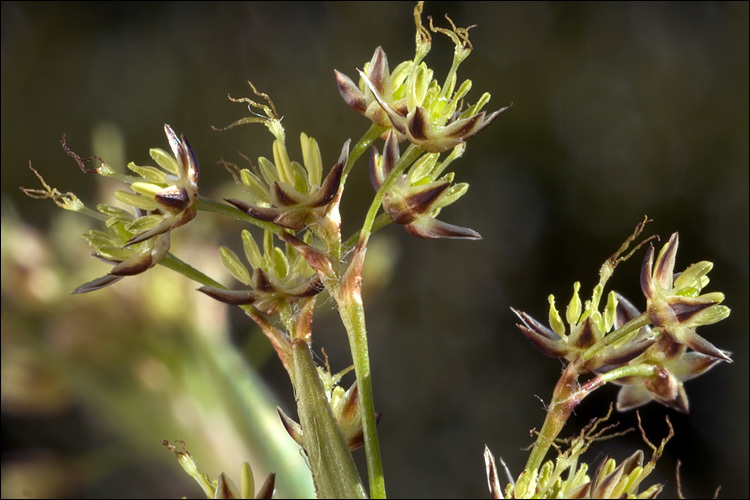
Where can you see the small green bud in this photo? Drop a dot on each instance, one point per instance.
(252, 252)
(247, 481)
(234, 266)
(164, 160)
(555, 320)
(135, 200)
(151, 174)
(146, 188)
(610, 311)
(573, 312)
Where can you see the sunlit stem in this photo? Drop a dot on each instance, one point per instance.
(381, 221)
(359, 149)
(208, 205)
(612, 337)
(567, 395)
(353, 317)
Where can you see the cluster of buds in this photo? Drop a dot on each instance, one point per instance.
(162, 199)
(410, 104)
(622, 336)
(567, 476)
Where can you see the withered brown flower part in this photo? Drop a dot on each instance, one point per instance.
(378, 73)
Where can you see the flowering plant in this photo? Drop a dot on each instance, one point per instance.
(424, 126)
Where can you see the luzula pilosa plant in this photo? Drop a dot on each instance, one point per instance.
(419, 127)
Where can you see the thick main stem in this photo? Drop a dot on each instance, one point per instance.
(353, 317)
(348, 296)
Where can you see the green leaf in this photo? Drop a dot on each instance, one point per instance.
(331, 462)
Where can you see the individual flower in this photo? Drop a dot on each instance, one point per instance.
(115, 247)
(285, 192)
(412, 102)
(278, 279)
(170, 193)
(675, 304)
(162, 200)
(281, 283)
(289, 195)
(675, 366)
(415, 199)
(587, 327)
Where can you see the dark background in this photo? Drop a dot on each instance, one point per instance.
(619, 110)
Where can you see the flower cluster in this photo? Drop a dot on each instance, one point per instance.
(621, 336)
(675, 308)
(278, 278)
(289, 194)
(411, 102)
(161, 200)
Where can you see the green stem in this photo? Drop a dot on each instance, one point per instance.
(632, 325)
(409, 156)
(353, 317)
(182, 267)
(381, 221)
(557, 414)
(208, 205)
(566, 397)
(358, 150)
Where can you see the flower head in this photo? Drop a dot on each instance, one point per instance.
(675, 304)
(161, 199)
(285, 192)
(278, 279)
(415, 199)
(412, 102)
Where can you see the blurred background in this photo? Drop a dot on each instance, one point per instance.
(619, 110)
